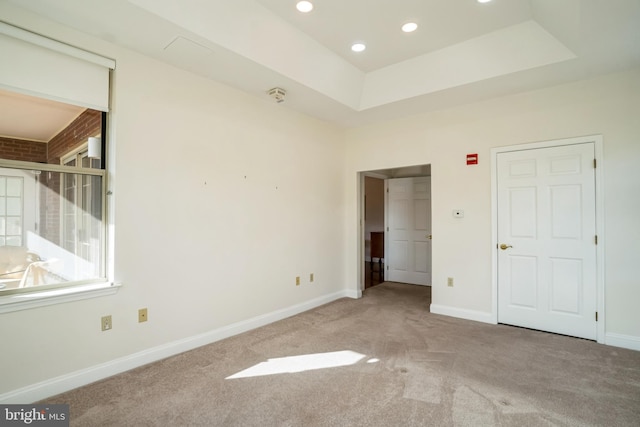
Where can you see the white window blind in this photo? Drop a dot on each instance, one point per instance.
(39, 66)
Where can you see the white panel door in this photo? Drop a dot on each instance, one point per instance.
(409, 230)
(18, 207)
(546, 239)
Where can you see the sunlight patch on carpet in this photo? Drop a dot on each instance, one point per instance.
(305, 362)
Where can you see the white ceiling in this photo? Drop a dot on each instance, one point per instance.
(34, 119)
(442, 23)
(462, 52)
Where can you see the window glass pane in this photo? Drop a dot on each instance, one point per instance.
(14, 226)
(14, 241)
(14, 206)
(51, 222)
(55, 227)
(14, 187)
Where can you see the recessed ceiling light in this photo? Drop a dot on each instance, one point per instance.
(304, 6)
(358, 47)
(484, 1)
(409, 27)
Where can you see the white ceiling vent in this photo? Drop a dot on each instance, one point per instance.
(277, 93)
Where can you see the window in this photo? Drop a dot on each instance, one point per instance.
(82, 212)
(53, 98)
(11, 212)
(52, 231)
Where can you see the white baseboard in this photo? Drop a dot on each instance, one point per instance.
(625, 341)
(61, 384)
(617, 340)
(478, 316)
(355, 294)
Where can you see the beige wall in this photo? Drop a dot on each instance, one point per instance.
(462, 248)
(221, 200)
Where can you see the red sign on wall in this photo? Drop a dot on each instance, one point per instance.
(472, 159)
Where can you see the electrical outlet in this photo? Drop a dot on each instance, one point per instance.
(311, 278)
(297, 280)
(106, 323)
(142, 315)
(450, 281)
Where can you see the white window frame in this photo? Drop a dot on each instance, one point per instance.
(73, 291)
(73, 76)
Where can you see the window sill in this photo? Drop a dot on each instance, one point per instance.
(18, 302)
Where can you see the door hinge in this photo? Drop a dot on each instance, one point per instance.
(387, 228)
(596, 239)
(596, 316)
(595, 163)
(387, 189)
(387, 267)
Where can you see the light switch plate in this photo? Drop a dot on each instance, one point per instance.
(458, 213)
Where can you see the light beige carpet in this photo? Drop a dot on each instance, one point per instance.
(383, 360)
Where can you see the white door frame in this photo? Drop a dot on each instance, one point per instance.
(599, 187)
(380, 174)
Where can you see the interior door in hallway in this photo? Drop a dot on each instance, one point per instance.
(409, 230)
(546, 239)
